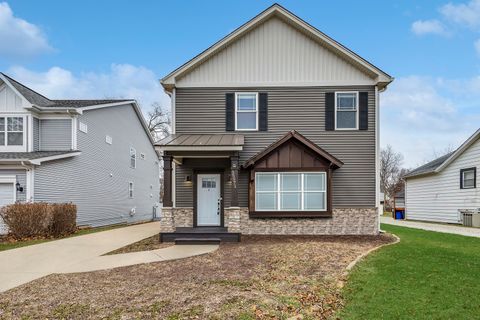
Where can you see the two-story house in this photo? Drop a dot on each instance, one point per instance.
(275, 131)
(97, 154)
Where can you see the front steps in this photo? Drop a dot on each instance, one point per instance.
(200, 235)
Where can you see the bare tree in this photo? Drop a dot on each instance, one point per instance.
(391, 172)
(159, 122)
(439, 153)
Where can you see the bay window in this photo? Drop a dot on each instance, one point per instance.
(296, 191)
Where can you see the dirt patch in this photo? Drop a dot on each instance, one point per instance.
(260, 278)
(147, 244)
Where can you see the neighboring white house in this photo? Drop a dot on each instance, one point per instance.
(438, 189)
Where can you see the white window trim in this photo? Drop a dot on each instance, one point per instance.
(278, 192)
(131, 192)
(256, 110)
(82, 127)
(133, 152)
(463, 178)
(23, 147)
(356, 107)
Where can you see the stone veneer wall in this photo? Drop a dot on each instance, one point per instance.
(348, 221)
(172, 218)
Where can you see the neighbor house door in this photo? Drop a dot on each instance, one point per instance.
(208, 200)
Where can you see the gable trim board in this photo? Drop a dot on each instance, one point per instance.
(378, 76)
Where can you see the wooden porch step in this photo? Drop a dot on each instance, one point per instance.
(197, 241)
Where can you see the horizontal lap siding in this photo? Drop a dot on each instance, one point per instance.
(36, 134)
(302, 109)
(438, 197)
(97, 180)
(55, 134)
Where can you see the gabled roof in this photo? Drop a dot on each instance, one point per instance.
(442, 162)
(300, 138)
(40, 103)
(39, 100)
(383, 79)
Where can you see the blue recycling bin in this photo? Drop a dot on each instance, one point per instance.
(399, 215)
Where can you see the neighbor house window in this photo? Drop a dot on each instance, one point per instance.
(130, 190)
(133, 158)
(346, 110)
(246, 111)
(11, 131)
(290, 191)
(468, 178)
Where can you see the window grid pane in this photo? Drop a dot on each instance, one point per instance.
(291, 191)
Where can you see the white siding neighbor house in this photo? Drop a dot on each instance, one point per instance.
(437, 190)
(97, 154)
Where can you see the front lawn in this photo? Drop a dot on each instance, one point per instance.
(427, 275)
(9, 244)
(258, 278)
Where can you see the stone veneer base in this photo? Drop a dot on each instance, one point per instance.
(344, 221)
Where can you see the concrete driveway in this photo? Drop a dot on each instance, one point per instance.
(84, 253)
(437, 227)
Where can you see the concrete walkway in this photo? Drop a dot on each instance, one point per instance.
(437, 227)
(84, 253)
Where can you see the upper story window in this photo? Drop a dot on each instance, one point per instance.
(346, 110)
(133, 158)
(246, 111)
(11, 131)
(468, 178)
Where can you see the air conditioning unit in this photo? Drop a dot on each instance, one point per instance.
(470, 218)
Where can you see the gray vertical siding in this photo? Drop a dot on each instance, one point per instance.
(55, 134)
(36, 134)
(97, 180)
(202, 110)
(21, 178)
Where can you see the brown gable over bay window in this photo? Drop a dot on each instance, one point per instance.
(291, 178)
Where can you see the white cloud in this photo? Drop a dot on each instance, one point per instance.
(464, 14)
(122, 81)
(421, 27)
(421, 116)
(19, 38)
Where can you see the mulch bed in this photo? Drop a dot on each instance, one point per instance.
(263, 277)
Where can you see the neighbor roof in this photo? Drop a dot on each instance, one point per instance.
(428, 167)
(383, 78)
(441, 163)
(36, 157)
(210, 142)
(41, 101)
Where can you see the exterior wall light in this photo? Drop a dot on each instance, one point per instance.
(19, 188)
(188, 178)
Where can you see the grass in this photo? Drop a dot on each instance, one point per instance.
(7, 245)
(427, 275)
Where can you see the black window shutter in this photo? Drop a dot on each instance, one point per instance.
(330, 111)
(263, 111)
(230, 112)
(363, 106)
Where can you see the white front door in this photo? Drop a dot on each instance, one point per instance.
(208, 200)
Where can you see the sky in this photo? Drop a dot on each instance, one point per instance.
(119, 49)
